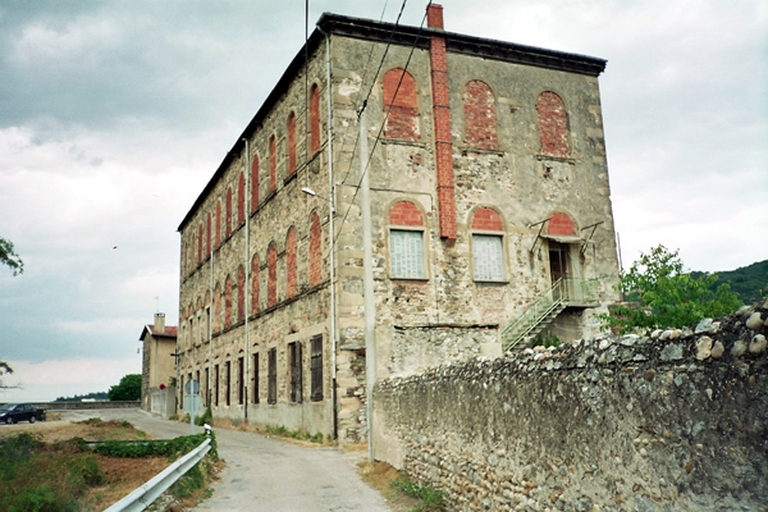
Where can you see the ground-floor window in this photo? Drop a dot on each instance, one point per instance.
(255, 394)
(294, 360)
(216, 385)
(272, 376)
(316, 368)
(240, 380)
(228, 389)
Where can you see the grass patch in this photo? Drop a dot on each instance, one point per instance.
(401, 494)
(301, 435)
(431, 500)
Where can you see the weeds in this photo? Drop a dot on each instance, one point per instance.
(431, 499)
(301, 435)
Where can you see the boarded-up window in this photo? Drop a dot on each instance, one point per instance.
(553, 124)
(401, 105)
(480, 115)
(314, 118)
(488, 245)
(291, 264)
(316, 368)
(241, 199)
(315, 251)
(406, 246)
(272, 163)
(228, 218)
(255, 183)
(291, 143)
(271, 276)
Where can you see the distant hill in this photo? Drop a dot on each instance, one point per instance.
(748, 282)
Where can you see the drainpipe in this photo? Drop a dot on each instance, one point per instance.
(332, 234)
(210, 340)
(247, 291)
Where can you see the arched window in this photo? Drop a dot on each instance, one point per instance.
(480, 116)
(227, 302)
(240, 294)
(314, 118)
(553, 124)
(272, 163)
(208, 234)
(217, 308)
(255, 183)
(228, 217)
(291, 267)
(271, 275)
(488, 245)
(291, 143)
(315, 250)
(200, 243)
(401, 103)
(241, 200)
(255, 285)
(218, 223)
(406, 242)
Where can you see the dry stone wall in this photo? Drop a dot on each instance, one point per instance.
(677, 420)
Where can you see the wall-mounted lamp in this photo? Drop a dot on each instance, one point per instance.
(312, 193)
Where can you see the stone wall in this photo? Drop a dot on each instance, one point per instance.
(677, 420)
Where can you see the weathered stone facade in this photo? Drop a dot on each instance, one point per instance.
(157, 369)
(674, 421)
(482, 169)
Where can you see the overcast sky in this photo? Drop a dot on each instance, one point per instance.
(114, 115)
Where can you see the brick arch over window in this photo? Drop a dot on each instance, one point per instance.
(487, 219)
(405, 213)
(200, 243)
(241, 199)
(271, 275)
(561, 224)
(240, 294)
(255, 183)
(315, 250)
(480, 116)
(228, 213)
(553, 124)
(291, 264)
(208, 234)
(227, 302)
(255, 285)
(218, 223)
(217, 308)
(401, 101)
(314, 119)
(291, 143)
(272, 163)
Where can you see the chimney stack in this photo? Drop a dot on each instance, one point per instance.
(159, 323)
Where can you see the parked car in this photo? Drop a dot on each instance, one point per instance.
(14, 413)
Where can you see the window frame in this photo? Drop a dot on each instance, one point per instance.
(316, 368)
(424, 263)
(501, 236)
(272, 376)
(295, 362)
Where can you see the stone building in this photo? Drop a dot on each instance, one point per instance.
(405, 197)
(158, 368)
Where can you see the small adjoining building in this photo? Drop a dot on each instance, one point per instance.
(158, 368)
(404, 198)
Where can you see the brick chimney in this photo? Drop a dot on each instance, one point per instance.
(159, 326)
(441, 114)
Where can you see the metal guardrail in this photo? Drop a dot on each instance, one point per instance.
(566, 291)
(145, 495)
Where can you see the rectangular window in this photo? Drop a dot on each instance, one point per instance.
(272, 377)
(316, 368)
(216, 385)
(294, 360)
(488, 257)
(255, 371)
(207, 388)
(228, 384)
(240, 381)
(407, 254)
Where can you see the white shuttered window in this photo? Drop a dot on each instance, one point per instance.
(407, 254)
(488, 255)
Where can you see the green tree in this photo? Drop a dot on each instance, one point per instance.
(662, 294)
(5, 369)
(9, 257)
(128, 389)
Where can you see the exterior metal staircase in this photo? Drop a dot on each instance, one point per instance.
(567, 291)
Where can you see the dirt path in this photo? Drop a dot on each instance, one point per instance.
(268, 474)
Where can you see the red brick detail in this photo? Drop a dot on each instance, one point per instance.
(241, 200)
(228, 217)
(271, 275)
(228, 302)
(291, 267)
(487, 220)
(405, 213)
(435, 16)
(255, 285)
(315, 250)
(255, 183)
(200, 244)
(441, 114)
(480, 116)
(240, 294)
(553, 124)
(218, 223)
(272, 163)
(208, 234)
(217, 308)
(314, 118)
(291, 143)
(401, 105)
(561, 224)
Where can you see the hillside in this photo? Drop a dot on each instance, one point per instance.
(748, 282)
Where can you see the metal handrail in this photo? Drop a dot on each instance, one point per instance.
(565, 291)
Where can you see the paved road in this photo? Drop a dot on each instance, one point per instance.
(264, 474)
